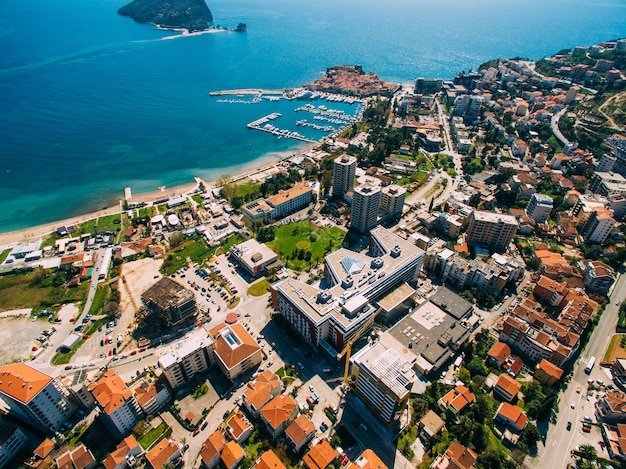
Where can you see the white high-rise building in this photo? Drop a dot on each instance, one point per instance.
(392, 201)
(539, 207)
(365, 204)
(35, 397)
(344, 170)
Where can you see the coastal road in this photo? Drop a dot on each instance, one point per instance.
(555, 453)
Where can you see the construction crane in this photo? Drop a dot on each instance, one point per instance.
(347, 349)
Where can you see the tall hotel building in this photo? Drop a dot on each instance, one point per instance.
(365, 205)
(329, 317)
(344, 171)
(493, 231)
(34, 397)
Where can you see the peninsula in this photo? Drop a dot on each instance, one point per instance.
(192, 15)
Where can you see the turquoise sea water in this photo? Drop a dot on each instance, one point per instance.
(91, 102)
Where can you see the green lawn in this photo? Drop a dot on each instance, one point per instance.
(194, 248)
(63, 358)
(99, 300)
(39, 288)
(260, 288)
(197, 199)
(197, 250)
(108, 222)
(420, 178)
(4, 254)
(151, 436)
(304, 236)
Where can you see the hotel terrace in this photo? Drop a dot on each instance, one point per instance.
(335, 313)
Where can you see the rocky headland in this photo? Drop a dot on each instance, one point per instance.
(192, 15)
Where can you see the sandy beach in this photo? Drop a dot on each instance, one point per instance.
(259, 165)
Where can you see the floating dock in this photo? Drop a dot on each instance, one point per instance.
(263, 124)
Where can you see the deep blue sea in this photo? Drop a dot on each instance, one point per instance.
(91, 102)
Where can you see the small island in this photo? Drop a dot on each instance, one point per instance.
(240, 28)
(192, 15)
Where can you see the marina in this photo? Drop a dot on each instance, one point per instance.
(329, 119)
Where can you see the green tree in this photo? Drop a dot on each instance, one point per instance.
(176, 239)
(530, 435)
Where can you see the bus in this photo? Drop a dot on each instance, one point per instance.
(590, 363)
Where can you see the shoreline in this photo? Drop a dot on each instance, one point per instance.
(260, 164)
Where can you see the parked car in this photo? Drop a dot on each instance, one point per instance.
(568, 426)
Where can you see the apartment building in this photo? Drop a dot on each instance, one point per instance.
(535, 334)
(278, 413)
(607, 183)
(163, 452)
(211, 450)
(365, 205)
(118, 407)
(330, 317)
(300, 432)
(12, 439)
(260, 391)
(34, 397)
(598, 276)
(383, 380)
(494, 231)
(187, 357)
(344, 171)
(491, 276)
(152, 397)
(539, 207)
(236, 351)
(125, 455)
(278, 206)
(239, 428)
(598, 226)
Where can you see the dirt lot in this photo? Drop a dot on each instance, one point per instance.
(17, 336)
(140, 275)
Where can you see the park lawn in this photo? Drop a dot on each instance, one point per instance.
(4, 254)
(260, 288)
(304, 235)
(20, 291)
(107, 222)
(197, 199)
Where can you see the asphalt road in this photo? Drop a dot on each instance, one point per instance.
(555, 453)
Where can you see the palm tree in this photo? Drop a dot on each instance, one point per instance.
(588, 452)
